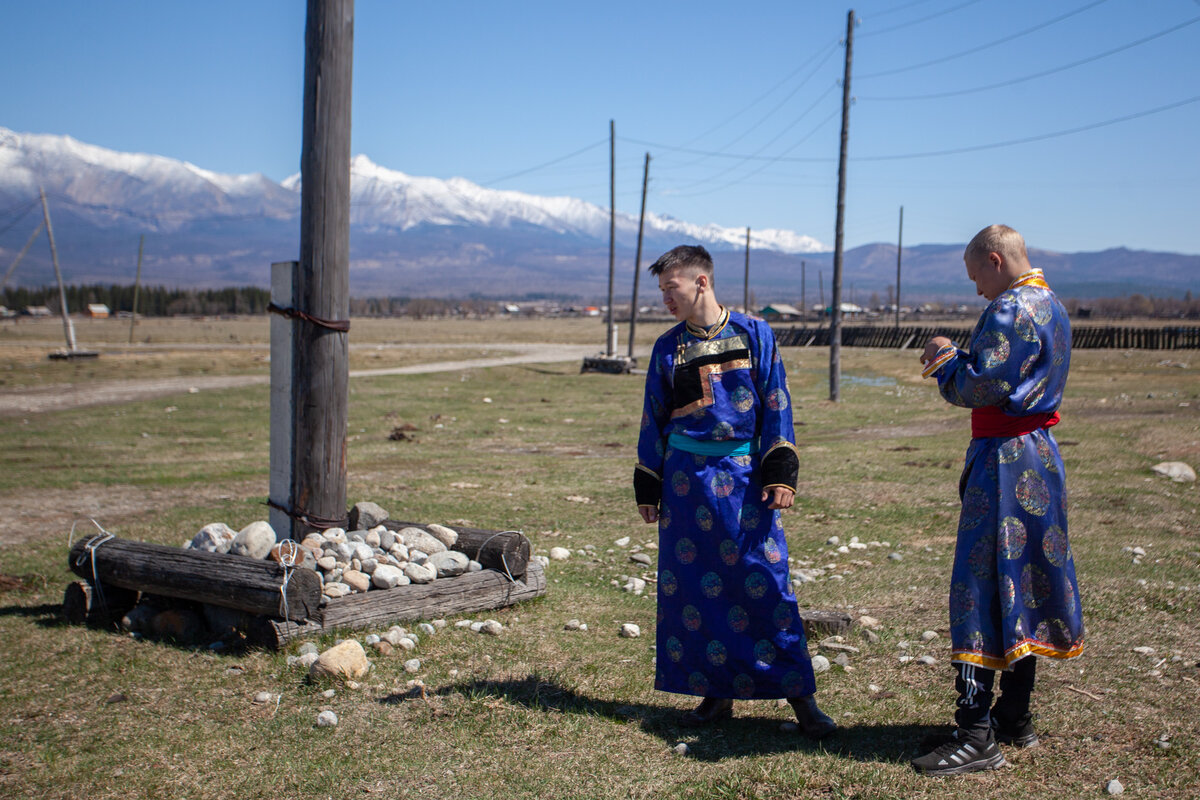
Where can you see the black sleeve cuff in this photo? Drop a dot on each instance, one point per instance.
(647, 487)
(780, 467)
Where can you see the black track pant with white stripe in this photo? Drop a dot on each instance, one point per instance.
(974, 685)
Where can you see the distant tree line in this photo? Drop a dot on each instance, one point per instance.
(153, 301)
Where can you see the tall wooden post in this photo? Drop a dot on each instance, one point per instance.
(637, 259)
(137, 285)
(611, 345)
(899, 250)
(746, 278)
(68, 327)
(803, 294)
(21, 255)
(320, 374)
(835, 320)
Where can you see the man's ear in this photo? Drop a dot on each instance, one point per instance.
(702, 280)
(996, 260)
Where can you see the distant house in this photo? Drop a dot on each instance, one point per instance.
(36, 311)
(96, 311)
(779, 312)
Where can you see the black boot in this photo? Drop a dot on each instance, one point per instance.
(814, 723)
(710, 710)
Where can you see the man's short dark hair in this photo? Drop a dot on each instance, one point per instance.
(686, 255)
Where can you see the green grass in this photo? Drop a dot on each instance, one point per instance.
(542, 712)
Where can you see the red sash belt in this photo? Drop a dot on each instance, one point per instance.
(991, 422)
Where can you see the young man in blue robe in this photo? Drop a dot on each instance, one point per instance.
(1013, 592)
(716, 463)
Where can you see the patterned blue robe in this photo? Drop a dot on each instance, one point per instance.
(1013, 589)
(728, 624)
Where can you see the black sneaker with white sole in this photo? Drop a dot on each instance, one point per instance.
(960, 755)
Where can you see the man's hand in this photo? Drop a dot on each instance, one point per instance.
(932, 347)
(781, 497)
(649, 514)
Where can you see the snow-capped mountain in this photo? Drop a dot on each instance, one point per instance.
(418, 235)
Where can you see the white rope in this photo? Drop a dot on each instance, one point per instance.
(89, 552)
(287, 560)
(503, 558)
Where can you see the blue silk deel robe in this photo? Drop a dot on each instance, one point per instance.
(1013, 590)
(716, 428)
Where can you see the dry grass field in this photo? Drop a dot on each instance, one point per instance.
(540, 711)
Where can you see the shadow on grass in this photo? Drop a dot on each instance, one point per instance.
(49, 615)
(748, 734)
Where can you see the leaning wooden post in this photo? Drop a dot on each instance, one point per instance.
(283, 284)
(68, 326)
(835, 317)
(637, 259)
(746, 277)
(320, 373)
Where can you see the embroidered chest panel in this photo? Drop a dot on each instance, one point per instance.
(700, 365)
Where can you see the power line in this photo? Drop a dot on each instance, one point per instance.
(18, 218)
(919, 21)
(977, 48)
(897, 9)
(1038, 138)
(715, 154)
(1043, 73)
(549, 163)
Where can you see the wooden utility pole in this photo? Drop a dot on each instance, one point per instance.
(68, 328)
(610, 345)
(821, 286)
(137, 284)
(835, 320)
(899, 250)
(803, 294)
(319, 393)
(746, 279)
(637, 259)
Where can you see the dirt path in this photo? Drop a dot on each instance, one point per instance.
(59, 397)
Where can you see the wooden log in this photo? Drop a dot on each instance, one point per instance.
(474, 591)
(245, 584)
(818, 623)
(505, 551)
(104, 608)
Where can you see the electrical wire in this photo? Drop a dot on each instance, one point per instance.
(549, 163)
(1041, 74)
(714, 154)
(1038, 138)
(918, 21)
(977, 48)
(19, 217)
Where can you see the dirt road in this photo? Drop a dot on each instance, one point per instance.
(59, 397)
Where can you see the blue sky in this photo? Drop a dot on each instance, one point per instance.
(737, 104)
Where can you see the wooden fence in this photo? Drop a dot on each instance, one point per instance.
(909, 336)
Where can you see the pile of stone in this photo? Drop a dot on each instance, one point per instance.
(367, 557)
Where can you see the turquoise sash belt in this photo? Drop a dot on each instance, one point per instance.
(732, 447)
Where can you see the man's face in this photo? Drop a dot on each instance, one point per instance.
(986, 273)
(680, 291)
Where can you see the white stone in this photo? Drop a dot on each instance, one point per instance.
(373, 539)
(405, 643)
(635, 585)
(449, 564)
(572, 625)
(368, 566)
(262, 697)
(216, 537)
(857, 546)
(386, 576)
(622, 542)
(412, 665)
(327, 719)
(843, 549)
(868, 622)
(491, 627)
(334, 535)
(559, 553)
(1176, 471)
(446, 536)
(362, 551)
(427, 629)
(420, 573)
(929, 636)
(545, 562)
(1144, 651)
(463, 623)
(820, 664)
(1115, 787)
(833, 541)
(344, 660)
(680, 749)
(254, 541)
(630, 631)
(327, 563)
(927, 660)
(418, 539)
(335, 590)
